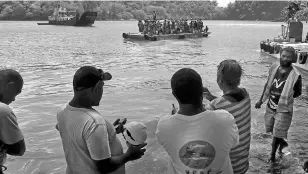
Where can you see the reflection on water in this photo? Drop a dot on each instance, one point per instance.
(48, 56)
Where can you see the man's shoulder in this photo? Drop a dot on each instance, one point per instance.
(5, 110)
(165, 121)
(221, 116)
(90, 114)
(165, 118)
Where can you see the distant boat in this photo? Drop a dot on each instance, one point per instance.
(146, 37)
(71, 18)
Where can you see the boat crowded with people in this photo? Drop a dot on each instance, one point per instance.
(61, 16)
(291, 36)
(154, 30)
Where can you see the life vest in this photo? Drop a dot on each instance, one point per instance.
(286, 100)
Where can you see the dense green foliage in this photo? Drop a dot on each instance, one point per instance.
(126, 10)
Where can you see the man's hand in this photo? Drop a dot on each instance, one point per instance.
(258, 104)
(135, 152)
(119, 125)
(207, 94)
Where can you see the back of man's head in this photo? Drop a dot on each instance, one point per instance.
(230, 71)
(11, 84)
(10, 75)
(187, 87)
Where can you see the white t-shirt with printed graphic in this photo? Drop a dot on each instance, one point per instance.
(198, 144)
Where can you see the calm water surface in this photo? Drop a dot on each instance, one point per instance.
(48, 56)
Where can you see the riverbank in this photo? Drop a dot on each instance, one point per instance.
(297, 151)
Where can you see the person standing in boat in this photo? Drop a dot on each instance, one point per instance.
(172, 28)
(154, 15)
(159, 26)
(186, 27)
(168, 27)
(151, 28)
(201, 25)
(283, 85)
(206, 29)
(146, 27)
(141, 26)
(196, 25)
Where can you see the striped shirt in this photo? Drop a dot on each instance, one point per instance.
(241, 111)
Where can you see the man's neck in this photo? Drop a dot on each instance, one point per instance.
(228, 90)
(190, 110)
(80, 103)
(285, 69)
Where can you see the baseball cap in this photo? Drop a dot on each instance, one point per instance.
(88, 76)
(135, 133)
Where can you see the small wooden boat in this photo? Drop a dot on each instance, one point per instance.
(145, 37)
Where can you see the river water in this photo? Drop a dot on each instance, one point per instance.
(48, 56)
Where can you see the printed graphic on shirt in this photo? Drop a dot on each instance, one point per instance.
(276, 90)
(197, 154)
(202, 172)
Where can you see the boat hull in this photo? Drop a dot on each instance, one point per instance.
(87, 19)
(142, 37)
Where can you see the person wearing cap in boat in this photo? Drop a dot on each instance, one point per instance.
(154, 15)
(197, 140)
(140, 26)
(146, 27)
(206, 29)
(172, 27)
(11, 138)
(201, 25)
(90, 141)
(283, 85)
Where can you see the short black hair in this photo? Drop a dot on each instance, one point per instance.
(10, 75)
(187, 86)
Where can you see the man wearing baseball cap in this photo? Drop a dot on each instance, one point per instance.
(197, 140)
(89, 141)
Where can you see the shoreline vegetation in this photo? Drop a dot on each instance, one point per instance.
(136, 10)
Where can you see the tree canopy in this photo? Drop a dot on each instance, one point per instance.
(127, 10)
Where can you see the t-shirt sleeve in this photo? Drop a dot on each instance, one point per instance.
(98, 142)
(159, 134)
(9, 129)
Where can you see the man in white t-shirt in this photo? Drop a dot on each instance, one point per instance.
(11, 138)
(89, 140)
(197, 140)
